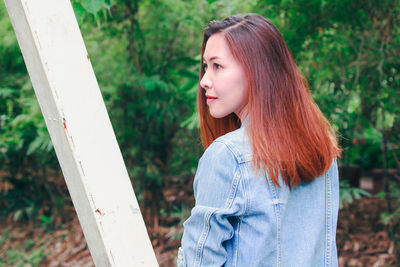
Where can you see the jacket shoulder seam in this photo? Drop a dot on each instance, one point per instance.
(240, 157)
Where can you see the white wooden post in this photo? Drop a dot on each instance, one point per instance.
(80, 129)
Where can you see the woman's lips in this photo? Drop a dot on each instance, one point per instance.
(211, 99)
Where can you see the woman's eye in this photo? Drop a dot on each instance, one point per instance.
(204, 66)
(217, 66)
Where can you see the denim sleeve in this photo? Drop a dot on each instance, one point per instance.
(219, 197)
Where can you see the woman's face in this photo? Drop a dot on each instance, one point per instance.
(224, 80)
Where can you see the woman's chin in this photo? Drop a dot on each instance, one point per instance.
(218, 115)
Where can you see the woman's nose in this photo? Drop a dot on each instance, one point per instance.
(205, 82)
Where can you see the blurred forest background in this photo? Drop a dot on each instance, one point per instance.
(146, 56)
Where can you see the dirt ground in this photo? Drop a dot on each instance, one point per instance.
(361, 238)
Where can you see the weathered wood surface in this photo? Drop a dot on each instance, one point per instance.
(80, 129)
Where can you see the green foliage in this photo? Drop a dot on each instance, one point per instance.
(25, 146)
(46, 222)
(181, 213)
(4, 236)
(27, 212)
(21, 258)
(146, 57)
(93, 6)
(348, 194)
(391, 217)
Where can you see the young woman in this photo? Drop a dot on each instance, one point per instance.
(266, 187)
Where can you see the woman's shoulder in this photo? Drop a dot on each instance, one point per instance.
(220, 151)
(236, 142)
(217, 174)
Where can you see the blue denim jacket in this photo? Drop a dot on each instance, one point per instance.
(242, 219)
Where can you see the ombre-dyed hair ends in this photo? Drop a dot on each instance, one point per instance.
(289, 134)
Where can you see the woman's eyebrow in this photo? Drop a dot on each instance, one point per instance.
(212, 58)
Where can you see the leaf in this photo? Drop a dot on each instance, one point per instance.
(18, 215)
(93, 6)
(189, 74)
(108, 3)
(4, 92)
(191, 122)
(79, 11)
(30, 211)
(348, 194)
(46, 219)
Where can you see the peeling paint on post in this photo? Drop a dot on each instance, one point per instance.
(80, 129)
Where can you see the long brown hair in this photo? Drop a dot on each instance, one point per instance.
(289, 134)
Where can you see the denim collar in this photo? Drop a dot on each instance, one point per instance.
(245, 121)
